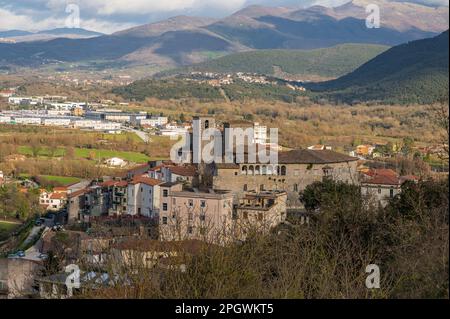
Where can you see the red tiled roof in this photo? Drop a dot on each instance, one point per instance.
(381, 172)
(384, 180)
(57, 196)
(183, 170)
(145, 180)
(78, 193)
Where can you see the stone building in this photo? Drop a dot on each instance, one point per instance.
(259, 212)
(295, 170)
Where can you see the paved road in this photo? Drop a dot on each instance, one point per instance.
(142, 135)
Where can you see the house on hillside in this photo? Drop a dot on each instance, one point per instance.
(52, 201)
(115, 162)
(384, 184)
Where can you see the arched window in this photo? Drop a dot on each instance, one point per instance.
(283, 170)
(295, 187)
(278, 170)
(206, 124)
(251, 170)
(264, 170)
(270, 170)
(244, 170)
(257, 170)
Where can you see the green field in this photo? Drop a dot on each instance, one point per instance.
(98, 154)
(104, 154)
(63, 180)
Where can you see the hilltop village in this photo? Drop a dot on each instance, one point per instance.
(161, 208)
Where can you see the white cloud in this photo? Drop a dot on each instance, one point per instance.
(112, 7)
(112, 15)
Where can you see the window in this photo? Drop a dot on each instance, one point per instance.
(142, 189)
(392, 193)
(190, 230)
(295, 187)
(245, 187)
(379, 190)
(202, 217)
(165, 193)
(165, 207)
(283, 170)
(164, 220)
(261, 188)
(191, 203)
(203, 204)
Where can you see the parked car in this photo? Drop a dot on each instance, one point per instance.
(43, 256)
(20, 254)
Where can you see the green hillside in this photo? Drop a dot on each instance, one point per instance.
(415, 72)
(175, 89)
(328, 62)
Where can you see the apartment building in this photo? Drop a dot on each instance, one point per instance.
(143, 197)
(192, 214)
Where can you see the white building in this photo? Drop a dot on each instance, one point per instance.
(28, 120)
(143, 197)
(31, 100)
(86, 123)
(5, 119)
(116, 162)
(52, 201)
(154, 121)
(56, 122)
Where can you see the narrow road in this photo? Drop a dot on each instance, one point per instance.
(142, 135)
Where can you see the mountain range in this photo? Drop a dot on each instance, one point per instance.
(45, 35)
(414, 72)
(183, 40)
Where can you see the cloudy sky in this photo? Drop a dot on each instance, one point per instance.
(111, 15)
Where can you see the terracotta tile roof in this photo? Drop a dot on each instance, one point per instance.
(183, 170)
(384, 180)
(58, 196)
(78, 193)
(145, 180)
(381, 172)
